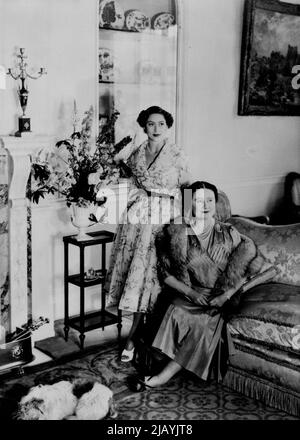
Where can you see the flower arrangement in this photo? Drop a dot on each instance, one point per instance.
(77, 168)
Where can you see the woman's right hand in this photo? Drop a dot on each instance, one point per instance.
(198, 298)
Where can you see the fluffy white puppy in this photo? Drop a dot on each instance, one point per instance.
(95, 404)
(48, 402)
(77, 400)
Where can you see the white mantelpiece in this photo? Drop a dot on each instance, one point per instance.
(19, 151)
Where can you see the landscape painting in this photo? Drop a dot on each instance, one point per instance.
(270, 62)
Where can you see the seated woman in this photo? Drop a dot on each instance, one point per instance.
(202, 262)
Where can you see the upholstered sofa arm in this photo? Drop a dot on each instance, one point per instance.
(263, 219)
(278, 244)
(260, 278)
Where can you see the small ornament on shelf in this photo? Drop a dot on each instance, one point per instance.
(137, 21)
(162, 21)
(106, 65)
(111, 15)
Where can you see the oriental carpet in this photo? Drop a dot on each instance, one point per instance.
(183, 398)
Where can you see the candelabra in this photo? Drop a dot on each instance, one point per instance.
(22, 75)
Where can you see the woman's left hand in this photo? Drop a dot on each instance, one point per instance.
(218, 301)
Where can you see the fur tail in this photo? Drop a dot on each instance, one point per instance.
(113, 413)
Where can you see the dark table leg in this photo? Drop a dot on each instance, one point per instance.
(81, 339)
(119, 327)
(81, 336)
(103, 267)
(66, 287)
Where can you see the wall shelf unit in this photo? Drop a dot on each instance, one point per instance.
(137, 59)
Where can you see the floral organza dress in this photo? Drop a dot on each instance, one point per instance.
(132, 280)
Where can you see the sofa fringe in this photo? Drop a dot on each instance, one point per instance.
(261, 391)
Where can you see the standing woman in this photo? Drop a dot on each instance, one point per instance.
(158, 168)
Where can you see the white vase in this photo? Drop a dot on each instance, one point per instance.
(80, 219)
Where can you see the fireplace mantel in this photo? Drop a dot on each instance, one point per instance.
(19, 150)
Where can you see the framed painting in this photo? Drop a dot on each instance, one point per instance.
(270, 59)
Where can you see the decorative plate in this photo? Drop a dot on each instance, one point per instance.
(163, 20)
(106, 65)
(135, 20)
(111, 15)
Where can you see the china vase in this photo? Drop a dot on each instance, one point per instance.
(80, 218)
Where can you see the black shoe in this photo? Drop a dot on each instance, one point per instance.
(138, 384)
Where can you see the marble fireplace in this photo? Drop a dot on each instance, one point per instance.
(15, 230)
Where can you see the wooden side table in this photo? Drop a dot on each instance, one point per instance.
(92, 320)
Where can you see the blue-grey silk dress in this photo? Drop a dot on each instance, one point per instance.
(190, 334)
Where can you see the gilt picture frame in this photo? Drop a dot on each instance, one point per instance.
(270, 59)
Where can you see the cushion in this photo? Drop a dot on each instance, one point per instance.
(269, 314)
(223, 210)
(279, 245)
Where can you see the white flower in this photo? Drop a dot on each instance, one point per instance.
(94, 178)
(103, 191)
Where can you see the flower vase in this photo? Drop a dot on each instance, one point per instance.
(80, 218)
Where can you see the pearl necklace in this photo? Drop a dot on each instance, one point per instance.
(202, 230)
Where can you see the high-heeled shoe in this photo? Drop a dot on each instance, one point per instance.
(140, 385)
(127, 355)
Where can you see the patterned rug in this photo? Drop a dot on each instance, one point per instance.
(188, 399)
(183, 398)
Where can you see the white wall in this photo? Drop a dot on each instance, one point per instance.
(59, 35)
(247, 156)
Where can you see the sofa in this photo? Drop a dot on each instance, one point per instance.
(266, 325)
(264, 322)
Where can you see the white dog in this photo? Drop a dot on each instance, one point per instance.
(48, 402)
(95, 404)
(80, 400)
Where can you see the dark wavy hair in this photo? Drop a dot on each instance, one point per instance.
(201, 184)
(188, 192)
(144, 116)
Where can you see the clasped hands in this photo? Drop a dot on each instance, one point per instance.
(202, 299)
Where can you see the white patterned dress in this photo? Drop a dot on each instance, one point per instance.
(132, 281)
